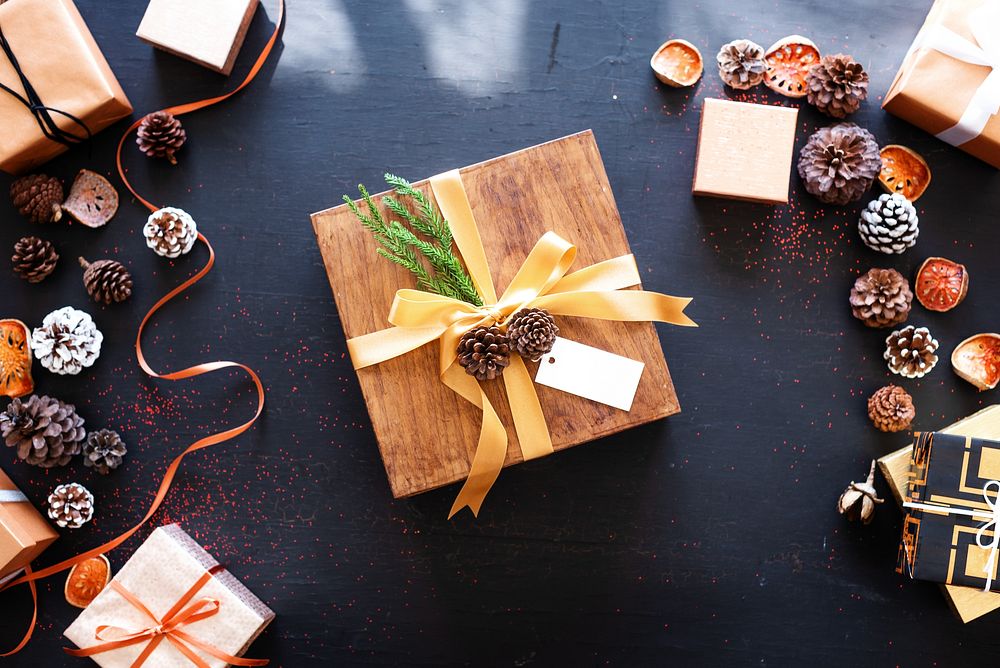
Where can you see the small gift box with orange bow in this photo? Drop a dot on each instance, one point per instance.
(171, 604)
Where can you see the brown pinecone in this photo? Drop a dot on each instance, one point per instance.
(34, 258)
(532, 332)
(836, 85)
(161, 135)
(45, 431)
(71, 506)
(891, 409)
(881, 298)
(106, 280)
(910, 352)
(839, 163)
(484, 352)
(741, 64)
(38, 197)
(104, 450)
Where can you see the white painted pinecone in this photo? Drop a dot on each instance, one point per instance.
(67, 341)
(170, 232)
(71, 505)
(911, 352)
(889, 224)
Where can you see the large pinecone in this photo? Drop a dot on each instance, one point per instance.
(889, 224)
(532, 332)
(45, 431)
(106, 280)
(170, 232)
(881, 298)
(741, 64)
(891, 409)
(837, 85)
(104, 450)
(161, 135)
(484, 352)
(910, 352)
(71, 506)
(839, 163)
(34, 259)
(67, 341)
(38, 197)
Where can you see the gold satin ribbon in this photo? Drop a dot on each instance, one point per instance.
(420, 317)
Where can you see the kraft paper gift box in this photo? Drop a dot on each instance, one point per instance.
(949, 82)
(24, 533)
(166, 567)
(63, 64)
(426, 433)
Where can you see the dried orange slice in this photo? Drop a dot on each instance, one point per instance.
(677, 63)
(977, 360)
(92, 200)
(87, 579)
(15, 359)
(904, 172)
(941, 284)
(788, 61)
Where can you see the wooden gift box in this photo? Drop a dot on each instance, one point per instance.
(426, 433)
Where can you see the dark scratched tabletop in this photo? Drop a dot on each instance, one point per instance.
(710, 538)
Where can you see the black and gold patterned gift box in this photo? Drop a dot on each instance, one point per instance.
(953, 473)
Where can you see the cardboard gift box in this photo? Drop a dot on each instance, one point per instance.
(24, 533)
(64, 66)
(160, 604)
(949, 82)
(426, 433)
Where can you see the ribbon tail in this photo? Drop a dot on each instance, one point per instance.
(529, 420)
(625, 305)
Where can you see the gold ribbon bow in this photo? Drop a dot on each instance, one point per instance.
(420, 317)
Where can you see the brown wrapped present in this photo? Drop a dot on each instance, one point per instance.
(62, 68)
(957, 53)
(24, 533)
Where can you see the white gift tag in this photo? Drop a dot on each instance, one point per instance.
(590, 373)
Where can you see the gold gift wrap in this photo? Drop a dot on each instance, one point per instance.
(934, 90)
(24, 533)
(62, 62)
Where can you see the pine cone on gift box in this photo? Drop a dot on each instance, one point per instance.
(881, 298)
(741, 64)
(839, 163)
(484, 352)
(532, 332)
(71, 506)
(910, 352)
(38, 197)
(837, 85)
(106, 280)
(889, 224)
(67, 341)
(161, 135)
(34, 259)
(45, 431)
(104, 451)
(891, 409)
(170, 232)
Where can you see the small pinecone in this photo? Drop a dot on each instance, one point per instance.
(889, 224)
(532, 332)
(170, 232)
(161, 135)
(837, 85)
(741, 64)
(891, 409)
(38, 197)
(106, 280)
(67, 341)
(910, 352)
(839, 163)
(71, 506)
(45, 431)
(104, 450)
(34, 259)
(881, 298)
(484, 352)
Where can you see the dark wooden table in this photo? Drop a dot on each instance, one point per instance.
(707, 539)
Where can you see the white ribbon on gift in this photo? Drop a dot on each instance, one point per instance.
(12, 496)
(985, 103)
(992, 519)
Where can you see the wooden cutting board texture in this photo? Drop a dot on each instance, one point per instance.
(426, 433)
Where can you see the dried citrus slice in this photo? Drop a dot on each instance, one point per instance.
(15, 359)
(788, 61)
(677, 63)
(86, 581)
(977, 360)
(904, 172)
(941, 284)
(92, 200)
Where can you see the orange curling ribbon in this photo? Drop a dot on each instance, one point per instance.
(169, 627)
(31, 577)
(419, 318)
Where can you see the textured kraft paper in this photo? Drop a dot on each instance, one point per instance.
(24, 533)
(932, 90)
(162, 569)
(64, 64)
